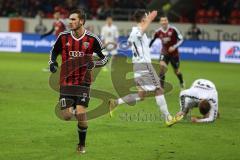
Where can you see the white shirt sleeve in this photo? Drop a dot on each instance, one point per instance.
(187, 100)
(102, 33)
(139, 33)
(208, 119)
(135, 34)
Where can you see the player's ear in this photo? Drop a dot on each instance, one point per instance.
(82, 22)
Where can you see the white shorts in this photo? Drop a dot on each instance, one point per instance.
(146, 77)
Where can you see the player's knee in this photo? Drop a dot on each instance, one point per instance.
(177, 71)
(67, 115)
(162, 69)
(163, 63)
(159, 91)
(141, 95)
(82, 119)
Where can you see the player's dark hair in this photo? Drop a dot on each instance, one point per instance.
(81, 14)
(139, 14)
(109, 16)
(204, 107)
(163, 16)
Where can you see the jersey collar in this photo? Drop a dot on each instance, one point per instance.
(165, 31)
(78, 39)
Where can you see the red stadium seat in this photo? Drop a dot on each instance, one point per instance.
(234, 17)
(210, 13)
(201, 16)
(183, 19)
(238, 14)
(216, 13)
(213, 15)
(202, 20)
(49, 15)
(234, 14)
(234, 21)
(201, 13)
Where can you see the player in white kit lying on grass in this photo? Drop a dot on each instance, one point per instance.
(201, 94)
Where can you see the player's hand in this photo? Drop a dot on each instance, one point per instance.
(90, 65)
(180, 113)
(53, 67)
(194, 119)
(171, 49)
(152, 15)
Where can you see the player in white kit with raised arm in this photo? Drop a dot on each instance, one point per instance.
(201, 94)
(145, 76)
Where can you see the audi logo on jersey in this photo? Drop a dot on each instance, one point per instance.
(76, 54)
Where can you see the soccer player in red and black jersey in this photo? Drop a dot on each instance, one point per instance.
(76, 48)
(171, 39)
(58, 25)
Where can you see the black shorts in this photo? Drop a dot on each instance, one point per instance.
(174, 60)
(71, 96)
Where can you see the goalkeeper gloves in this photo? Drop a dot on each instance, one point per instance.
(53, 67)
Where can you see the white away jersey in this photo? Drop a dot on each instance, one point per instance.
(109, 34)
(140, 46)
(201, 89)
(203, 84)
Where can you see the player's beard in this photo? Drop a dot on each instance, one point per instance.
(77, 29)
(79, 25)
(165, 26)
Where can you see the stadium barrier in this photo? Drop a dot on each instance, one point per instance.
(216, 32)
(211, 51)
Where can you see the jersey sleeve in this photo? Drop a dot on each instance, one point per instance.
(135, 34)
(56, 50)
(179, 37)
(184, 101)
(155, 36)
(139, 33)
(98, 47)
(210, 118)
(205, 120)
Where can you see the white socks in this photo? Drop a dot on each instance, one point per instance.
(129, 99)
(161, 102)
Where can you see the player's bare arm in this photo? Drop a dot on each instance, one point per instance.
(147, 20)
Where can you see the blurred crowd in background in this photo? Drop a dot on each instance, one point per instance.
(184, 11)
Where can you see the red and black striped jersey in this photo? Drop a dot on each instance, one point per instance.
(169, 37)
(59, 27)
(77, 55)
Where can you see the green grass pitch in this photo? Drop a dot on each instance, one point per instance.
(29, 128)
